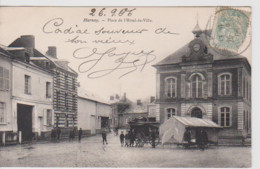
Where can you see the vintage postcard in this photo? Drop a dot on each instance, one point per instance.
(125, 87)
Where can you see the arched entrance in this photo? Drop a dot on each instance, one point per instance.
(196, 112)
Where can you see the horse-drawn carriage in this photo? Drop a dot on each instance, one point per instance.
(144, 131)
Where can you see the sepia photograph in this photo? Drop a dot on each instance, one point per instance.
(125, 87)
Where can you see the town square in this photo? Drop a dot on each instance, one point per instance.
(140, 91)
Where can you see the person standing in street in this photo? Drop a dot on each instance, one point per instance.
(199, 139)
(127, 139)
(187, 138)
(104, 136)
(80, 134)
(204, 137)
(53, 134)
(72, 135)
(132, 138)
(122, 138)
(153, 138)
(58, 133)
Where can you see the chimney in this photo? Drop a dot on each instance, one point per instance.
(28, 41)
(52, 51)
(152, 99)
(139, 103)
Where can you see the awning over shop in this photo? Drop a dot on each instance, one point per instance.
(173, 129)
(196, 122)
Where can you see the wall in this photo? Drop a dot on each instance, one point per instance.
(5, 97)
(37, 98)
(103, 110)
(86, 110)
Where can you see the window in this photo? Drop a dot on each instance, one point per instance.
(27, 88)
(66, 82)
(4, 79)
(247, 89)
(2, 112)
(48, 89)
(66, 101)
(66, 121)
(171, 112)
(58, 79)
(73, 83)
(171, 87)
(58, 100)
(244, 86)
(225, 117)
(74, 102)
(196, 86)
(49, 117)
(224, 84)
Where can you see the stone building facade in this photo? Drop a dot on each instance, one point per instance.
(6, 118)
(199, 81)
(64, 86)
(28, 106)
(93, 113)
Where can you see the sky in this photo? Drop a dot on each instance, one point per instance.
(86, 49)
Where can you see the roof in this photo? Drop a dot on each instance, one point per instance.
(176, 57)
(82, 93)
(196, 122)
(20, 43)
(3, 49)
(39, 54)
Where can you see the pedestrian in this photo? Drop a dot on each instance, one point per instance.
(204, 137)
(153, 135)
(132, 138)
(198, 139)
(104, 136)
(72, 135)
(53, 134)
(127, 139)
(187, 138)
(80, 134)
(58, 133)
(122, 138)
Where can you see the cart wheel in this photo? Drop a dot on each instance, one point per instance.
(157, 141)
(140, 140)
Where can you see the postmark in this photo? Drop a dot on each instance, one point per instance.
(231, 31)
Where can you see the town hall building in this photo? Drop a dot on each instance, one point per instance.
(199, 81)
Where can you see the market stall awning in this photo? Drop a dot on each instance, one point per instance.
(196, 122)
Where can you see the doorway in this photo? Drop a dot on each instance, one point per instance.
(196, 112)
(24, 121)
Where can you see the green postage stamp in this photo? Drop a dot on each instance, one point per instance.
(230, 29)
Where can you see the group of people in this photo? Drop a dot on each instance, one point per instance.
(56, 133)
(201, 138)
(127, 139)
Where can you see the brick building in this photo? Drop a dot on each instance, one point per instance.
(199, 81)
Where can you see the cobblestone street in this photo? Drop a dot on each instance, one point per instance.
(91, 153)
